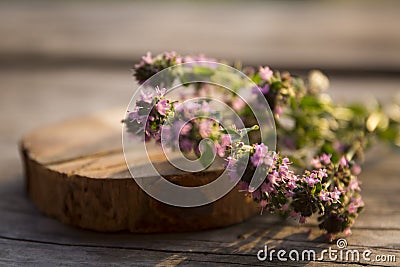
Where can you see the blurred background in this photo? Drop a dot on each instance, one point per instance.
(64, 58)
(337, 35)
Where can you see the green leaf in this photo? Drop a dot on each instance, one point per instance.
(390, 134)
(257, 79)
(245, 131)
(318, 188)
(203, 71)
(358, 109)
(228, 79)
(310, 102)
(207, 155)
(231, 132)
(343, 113)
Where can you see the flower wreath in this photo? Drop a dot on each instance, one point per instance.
(321, 143)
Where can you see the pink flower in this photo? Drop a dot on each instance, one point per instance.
(357, 201)
(185, 129)
(146, 96)
(324, 196)
(263, 203)
(238, 104)
(205, 128)
(311, 181)
(292, 181)
(267, 188)
(347, 231)
(302, 219)
(162, 106)
(279, 110)
(186, 145)
(352, 208)
(147, 58)
(316, 163)
(265, 89)
(356, 169)
(283, 169)
(326, 159)
(206, 108)
(273, 178)
(355, 204)
(172, 56)
(354, 184)
(335, 195)
(322, 173)
(178, 128)
(225, 141)
(343, 162)
(260, 155)
(260, 152)
(265, 73)
(161, 92)
(285, 160)
(220, 150)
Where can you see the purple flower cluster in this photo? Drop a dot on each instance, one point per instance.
(261, 156)
(201, 60)
(148, 59)
(179, 126)
(277, 88)
(328, 187)
(149, 65)
(265, 73)
(149, 114)
(330, 190)
(190, 123)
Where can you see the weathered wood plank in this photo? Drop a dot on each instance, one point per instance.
(261, 229)
(33, 97)
(20, 253)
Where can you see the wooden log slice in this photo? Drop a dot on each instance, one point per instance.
(76, 172)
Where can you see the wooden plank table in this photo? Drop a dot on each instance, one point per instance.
(27, 236)
(74, 60)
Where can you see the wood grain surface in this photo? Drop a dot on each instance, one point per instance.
(76, 172)
(29, 237)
